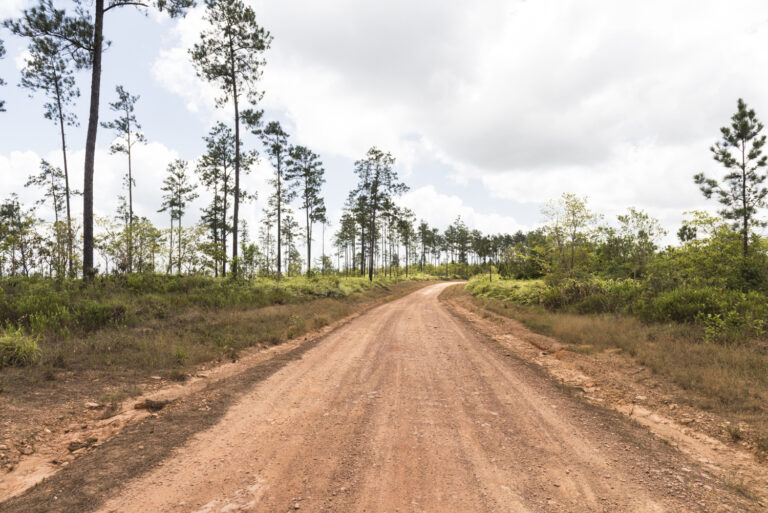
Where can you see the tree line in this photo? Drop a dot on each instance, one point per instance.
(374, 234)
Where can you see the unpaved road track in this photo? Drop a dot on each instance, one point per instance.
(407, 409)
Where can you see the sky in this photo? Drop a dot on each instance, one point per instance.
(491, 108)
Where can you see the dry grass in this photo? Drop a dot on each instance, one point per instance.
(731, 380)
(172, 346)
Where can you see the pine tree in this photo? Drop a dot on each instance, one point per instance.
(85, 32)
(407, 233)
(229, 54)
(306, 173)
(275, 141)
(179, 191)
(128, 135)
(741, 191)
(50, 70)
(215, 171)
(51, 180)
(377, 183)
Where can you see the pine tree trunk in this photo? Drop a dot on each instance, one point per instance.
(224, 228)
(279, 215)
(90, 142)
(130, 204)
(236, 211)
(170, 249)
(70, 263)
(309, 245)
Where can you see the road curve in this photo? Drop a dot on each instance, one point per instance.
(407, 409)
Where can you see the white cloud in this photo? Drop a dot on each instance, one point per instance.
(441, 209)
(614, 100)
(12, 8)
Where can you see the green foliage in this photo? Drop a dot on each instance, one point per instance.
(726, 316)
(68, 307)
(742, 191)
(17, 349)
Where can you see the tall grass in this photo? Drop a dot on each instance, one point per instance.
(17, 349)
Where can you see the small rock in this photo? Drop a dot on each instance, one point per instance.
(3, 447)
(640, 398)
(155, 377)
(92, 405)
(296, 505)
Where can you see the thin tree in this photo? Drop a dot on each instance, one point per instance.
(378, 183)
(179, 191)
(406, 232)
(85, 32)
(51, 181)
(275, 141)
(50, 70)
(741, 191)
(306, 173)
(128, 135)
(215, 169)
(229, 54)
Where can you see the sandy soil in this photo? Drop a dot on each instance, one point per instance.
(407, 408)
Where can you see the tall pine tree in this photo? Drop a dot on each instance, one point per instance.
(377, 184)
(306, 173)
(275, 141)
(50, 70)
(179, 191)
(229, 54)
(128, 135)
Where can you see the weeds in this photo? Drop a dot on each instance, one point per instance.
(739, 484)
(736, 433)
(17, 349)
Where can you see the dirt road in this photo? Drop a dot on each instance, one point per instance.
(407, 409)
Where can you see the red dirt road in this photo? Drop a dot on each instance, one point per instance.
(407, 409)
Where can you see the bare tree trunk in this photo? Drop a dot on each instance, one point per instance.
(224, 228)
(236, 211)
(90, 142)
(130, 200)
(70, 263)
(279, 219)
(309, 245)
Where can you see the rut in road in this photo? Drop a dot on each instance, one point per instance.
(407, 409)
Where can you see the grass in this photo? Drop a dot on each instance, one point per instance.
(177, 341)
(731, 379)
(71, 308)
(17, 349)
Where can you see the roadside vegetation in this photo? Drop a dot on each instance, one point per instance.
(720, 376)
(695, 312)
(163, 325)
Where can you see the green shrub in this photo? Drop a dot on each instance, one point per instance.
(17, 349)
(727, 315)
